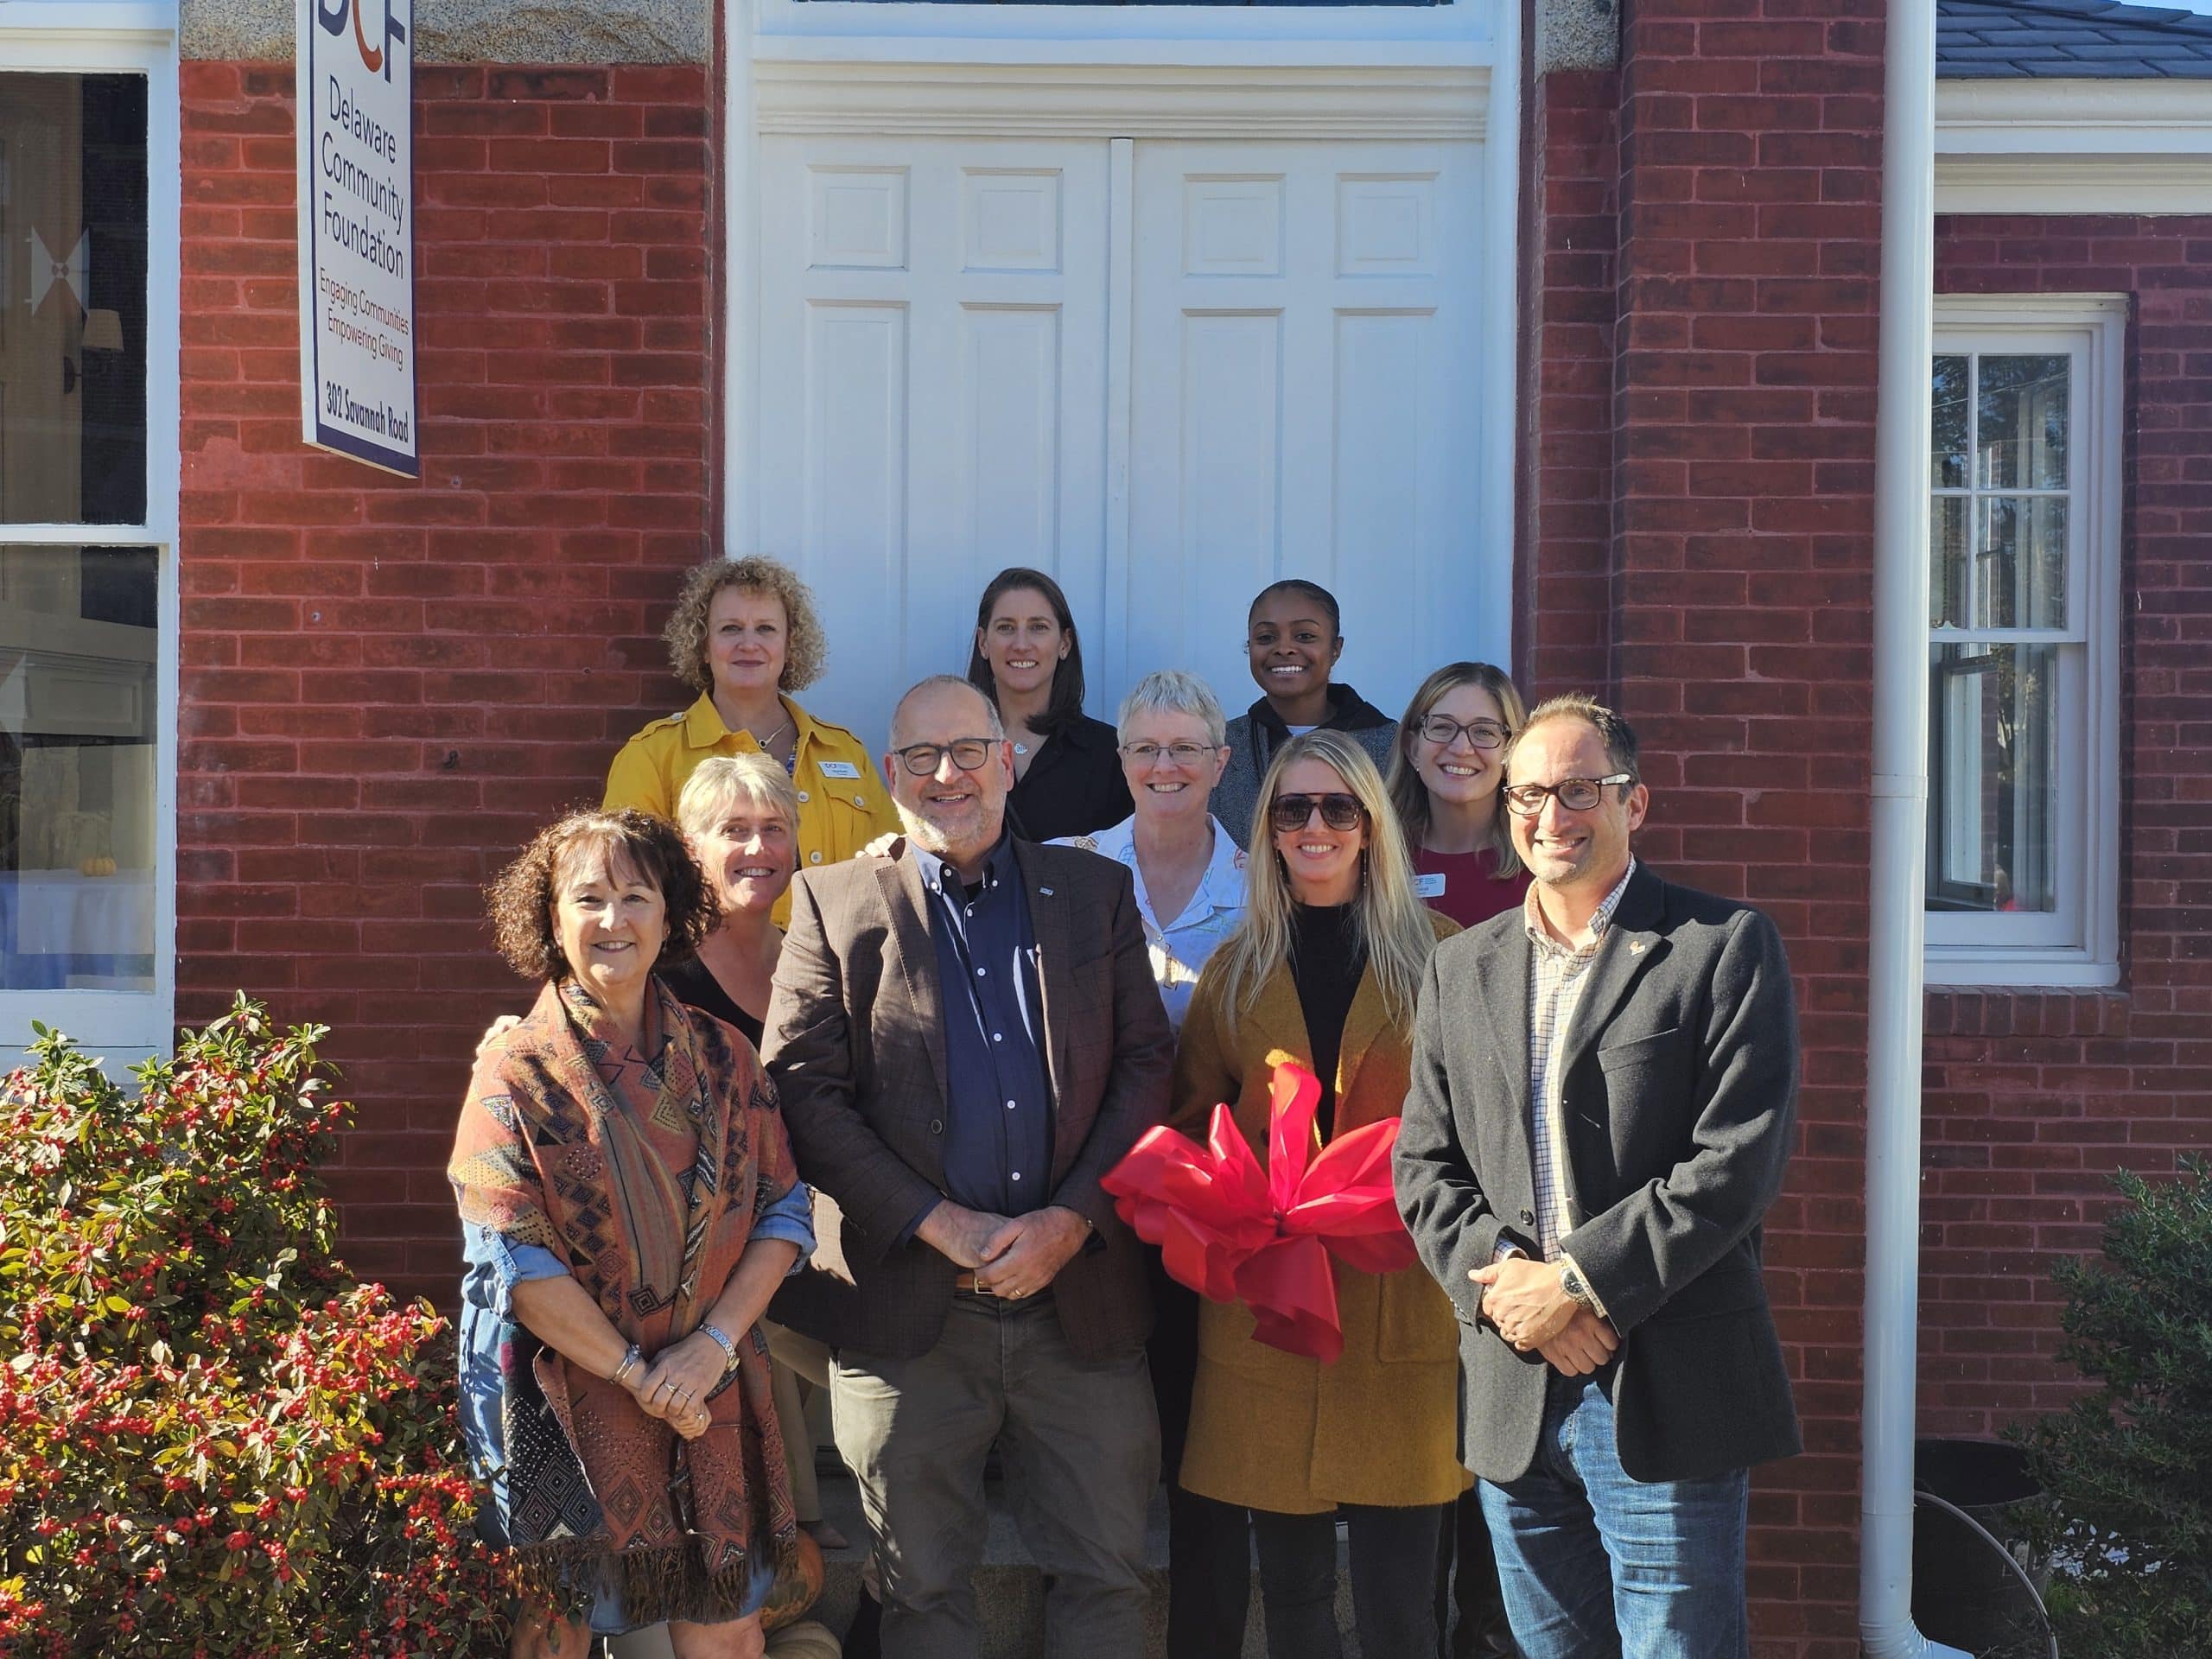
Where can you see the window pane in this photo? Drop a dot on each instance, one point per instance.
(73, 299)
(77, 830)
(2022, 422)
(1948, 569)
(1948, 470)
(2017, 575)
(1994, 775)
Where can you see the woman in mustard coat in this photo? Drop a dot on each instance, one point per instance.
(1323, 971)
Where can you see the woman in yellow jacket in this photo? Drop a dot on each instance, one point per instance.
(745, 636)
(1323, 971)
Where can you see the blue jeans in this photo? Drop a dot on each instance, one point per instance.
(1597, 1565)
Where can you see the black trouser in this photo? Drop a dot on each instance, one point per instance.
(1481, 1630)
(1393, 1580)
(1209, 1543)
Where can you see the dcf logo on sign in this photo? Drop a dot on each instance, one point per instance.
(333, 19)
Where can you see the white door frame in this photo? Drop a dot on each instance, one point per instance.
(1124, 73)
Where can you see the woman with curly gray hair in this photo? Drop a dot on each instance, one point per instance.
(745, 636)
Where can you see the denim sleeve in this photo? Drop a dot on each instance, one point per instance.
(791, 1219)
(492, 1265)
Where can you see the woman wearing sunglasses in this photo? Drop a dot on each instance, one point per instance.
(1323, 971)
(1446, 771)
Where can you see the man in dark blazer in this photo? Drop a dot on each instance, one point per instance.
(967, 1036)
(1604, 1089)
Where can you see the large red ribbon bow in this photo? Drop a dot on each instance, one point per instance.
(1235, 1232)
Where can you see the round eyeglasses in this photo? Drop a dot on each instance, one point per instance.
(967, 753)
(1443, 731)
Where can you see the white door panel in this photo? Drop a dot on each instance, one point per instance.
(1303, 402)
(1299, 367)
(932, 393)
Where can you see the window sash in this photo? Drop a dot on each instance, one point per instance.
(133, 37)
(2075, 943)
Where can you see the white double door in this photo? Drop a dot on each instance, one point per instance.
(1167, 372)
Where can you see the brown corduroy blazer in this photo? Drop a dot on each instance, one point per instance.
(1271, 1430)
(854, 1041)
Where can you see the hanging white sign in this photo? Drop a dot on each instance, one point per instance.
(357, 231)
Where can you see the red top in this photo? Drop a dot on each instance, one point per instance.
(1461, 885)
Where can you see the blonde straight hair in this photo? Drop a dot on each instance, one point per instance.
(1393, 924)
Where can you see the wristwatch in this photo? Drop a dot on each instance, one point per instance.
(1570, 1282)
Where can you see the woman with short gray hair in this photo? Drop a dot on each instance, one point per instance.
(1190, 891)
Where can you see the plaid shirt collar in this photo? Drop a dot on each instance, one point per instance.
(1532, 919)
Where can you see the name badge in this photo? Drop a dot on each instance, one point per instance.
(838, 769)
(1429, 887)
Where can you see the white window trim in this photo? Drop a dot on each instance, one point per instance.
(126, 37)
(2073, 146)
(2097, 324)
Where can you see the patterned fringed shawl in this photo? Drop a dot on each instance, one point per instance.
(648, 1187)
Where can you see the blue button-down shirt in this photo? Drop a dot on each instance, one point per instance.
(998, 1119)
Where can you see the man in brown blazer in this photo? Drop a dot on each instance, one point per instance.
(967, 1036)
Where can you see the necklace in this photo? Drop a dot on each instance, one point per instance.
(1021, 748)
(768, 741)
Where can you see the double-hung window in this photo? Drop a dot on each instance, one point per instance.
(88, 507)
(2022, 763)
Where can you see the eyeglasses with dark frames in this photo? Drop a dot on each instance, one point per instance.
(1443, 731)
(1575, 794)
(967, 753)
(1293, 812)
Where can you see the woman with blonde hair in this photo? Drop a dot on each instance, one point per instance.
(744, 635)
(1323, 972)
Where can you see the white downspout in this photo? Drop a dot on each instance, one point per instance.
(1900, 848)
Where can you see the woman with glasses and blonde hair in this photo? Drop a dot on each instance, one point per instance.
(1445, 767)
(1323, 971)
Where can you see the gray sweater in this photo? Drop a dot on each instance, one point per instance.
(1254, 736)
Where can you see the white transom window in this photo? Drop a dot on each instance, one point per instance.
(2024, 776)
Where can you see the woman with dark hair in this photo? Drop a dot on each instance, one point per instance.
(1027, 659)
(1445, 769)
(628, 1206)
(1293, 636)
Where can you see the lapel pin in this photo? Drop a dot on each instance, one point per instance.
(1047, 891)
(1636, 947)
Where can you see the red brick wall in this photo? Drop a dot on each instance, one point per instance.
(2033, 1099)
(1705, 368)
(387, 685)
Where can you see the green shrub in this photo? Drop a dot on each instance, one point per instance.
(2129, 1466)
(213, 1440)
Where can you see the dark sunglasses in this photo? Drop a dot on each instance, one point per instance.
(1338, 812)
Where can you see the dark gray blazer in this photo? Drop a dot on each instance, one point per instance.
(855, 1039)
(1679, 1076)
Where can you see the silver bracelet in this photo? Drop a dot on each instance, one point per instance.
(729, 1348)
(633, 1357)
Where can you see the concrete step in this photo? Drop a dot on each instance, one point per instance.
(1009, 1588)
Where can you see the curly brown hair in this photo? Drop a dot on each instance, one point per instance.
(520, 900)
(805, 646)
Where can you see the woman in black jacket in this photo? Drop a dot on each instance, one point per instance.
(1293, 636)
(1067, 768)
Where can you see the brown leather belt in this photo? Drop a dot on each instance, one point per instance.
(967, 1282)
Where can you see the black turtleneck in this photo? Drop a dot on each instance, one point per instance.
(1326, 962)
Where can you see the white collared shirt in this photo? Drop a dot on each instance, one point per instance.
(1179, 946)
